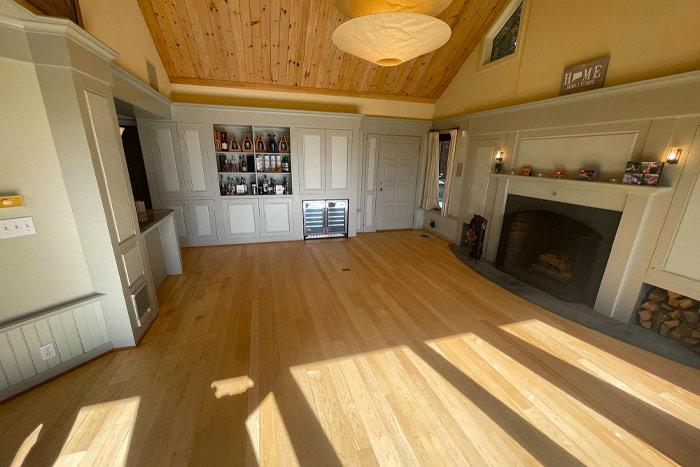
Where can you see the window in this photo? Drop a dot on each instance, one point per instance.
(503, 38)
(444, 156)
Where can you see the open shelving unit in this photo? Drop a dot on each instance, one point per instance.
(259, 164)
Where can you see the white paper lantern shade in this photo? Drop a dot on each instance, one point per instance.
(355, 8)
(389, 39)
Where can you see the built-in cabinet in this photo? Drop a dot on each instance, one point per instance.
(179, 163)
(325, 162)
(250, 219)
(202, 220)
(675, 262)
(237, 177)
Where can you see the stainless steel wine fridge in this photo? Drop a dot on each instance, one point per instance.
(326, 218)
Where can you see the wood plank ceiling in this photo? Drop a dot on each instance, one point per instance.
(286, 45)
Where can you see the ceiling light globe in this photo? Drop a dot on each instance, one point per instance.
(389, 39)
(355, 8)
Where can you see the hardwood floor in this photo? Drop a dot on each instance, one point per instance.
(378, 350)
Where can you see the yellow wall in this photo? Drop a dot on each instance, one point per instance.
(300, 101)
(644, 38)
(120, 25)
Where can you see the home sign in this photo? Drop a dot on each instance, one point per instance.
(584, 77)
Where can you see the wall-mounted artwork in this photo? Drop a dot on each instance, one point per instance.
(59, 8)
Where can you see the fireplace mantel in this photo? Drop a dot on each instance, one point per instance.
(634, 241)
(584, 185)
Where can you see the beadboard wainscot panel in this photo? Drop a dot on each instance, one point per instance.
(448, 228)
(77, 331)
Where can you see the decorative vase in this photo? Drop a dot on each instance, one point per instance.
(247, 143)
(284, 145)
(260, 145)
(272, 145)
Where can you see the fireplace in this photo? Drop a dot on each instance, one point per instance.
(560, 248)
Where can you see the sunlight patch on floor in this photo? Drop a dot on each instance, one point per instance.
(265, 422)
(26, 446)
(546, 407)
(101, 434)
(231, 386)
(625, 376)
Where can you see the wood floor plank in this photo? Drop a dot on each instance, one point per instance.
(382, 349)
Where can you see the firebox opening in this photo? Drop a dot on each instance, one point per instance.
(560, 248)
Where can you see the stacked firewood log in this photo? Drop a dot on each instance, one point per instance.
(672, 315)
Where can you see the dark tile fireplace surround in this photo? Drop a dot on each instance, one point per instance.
(559, 248)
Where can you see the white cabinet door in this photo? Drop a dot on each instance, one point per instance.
(166, 159)
(276, 217)
(338, 149)
(202, 220)
(241, 218)
(684, 255)
(312, 161)
(195, 164)
(182, 218)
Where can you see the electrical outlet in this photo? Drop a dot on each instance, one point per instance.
(17, 227)
(47, 351)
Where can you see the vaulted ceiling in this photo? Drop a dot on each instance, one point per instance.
(286, 45)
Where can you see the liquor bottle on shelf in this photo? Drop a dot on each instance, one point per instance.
(222, 186)
(226, 166)
(272, 145)
(260, 145)
(272, 186)
(260, 187)
(259, 166)
(253, 186)
(247, 143)
(278, 163)
(284, 145)
(234, 165)
(266, 185)
(224, 144)
(285, 186)
(285, 163)
(266, 163)
(234, 146)
(242, 165)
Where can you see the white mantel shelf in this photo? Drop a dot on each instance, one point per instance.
(581, 184)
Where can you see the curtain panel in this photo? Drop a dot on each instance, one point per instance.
(432, 173)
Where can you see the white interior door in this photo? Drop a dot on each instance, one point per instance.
(396, 182)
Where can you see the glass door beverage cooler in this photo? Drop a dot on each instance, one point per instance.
(325, 218)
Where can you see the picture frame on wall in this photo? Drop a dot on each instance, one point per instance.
(588, 175)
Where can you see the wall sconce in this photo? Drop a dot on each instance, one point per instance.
(499, 162)
(674, 155)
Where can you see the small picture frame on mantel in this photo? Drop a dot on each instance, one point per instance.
(588, 175)
(525, 171)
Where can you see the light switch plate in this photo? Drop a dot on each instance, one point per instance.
(16, 227)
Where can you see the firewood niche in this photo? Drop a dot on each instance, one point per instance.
(672, 315)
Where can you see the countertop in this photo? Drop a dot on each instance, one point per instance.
(151, 217)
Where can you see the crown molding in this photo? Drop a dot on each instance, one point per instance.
(185, 105)
(130, 79)
(637, 86)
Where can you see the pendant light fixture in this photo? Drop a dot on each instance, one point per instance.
(389, 33)
(355, 8)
